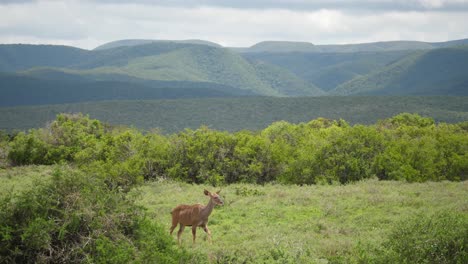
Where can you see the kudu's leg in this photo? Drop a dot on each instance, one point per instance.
(194, 233)
(172, 228)
(179, 233)
(208, 232)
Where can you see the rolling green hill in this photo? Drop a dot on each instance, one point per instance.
(18, 57)
(24, 90)
(168, 61)
(434, 72)
(282, 46)
(273, 68)
(136, 42)
(291, 46)
(328, 70)
(235, 114)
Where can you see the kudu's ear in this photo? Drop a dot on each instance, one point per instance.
(218, 191)
(206, 192)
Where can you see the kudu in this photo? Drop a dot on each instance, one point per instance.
(195, 215)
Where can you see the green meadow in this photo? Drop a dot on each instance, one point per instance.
(305, 224)
(274, 223)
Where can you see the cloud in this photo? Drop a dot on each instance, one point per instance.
(310, 5)
(88, 24)
(299, 5)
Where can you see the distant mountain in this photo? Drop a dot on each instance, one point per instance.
(327, 70)
(451, 43)
(17, 57)
(196, 63)
(137, 42)
(282, 46)
(435, 72)
(127, 69)
(288, 46)
(25, 90)
(158, 61)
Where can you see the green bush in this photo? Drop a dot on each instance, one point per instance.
(28, 149)
(406, 147)
(438, 238)
(77, 218)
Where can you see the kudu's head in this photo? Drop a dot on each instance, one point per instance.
(215, 197)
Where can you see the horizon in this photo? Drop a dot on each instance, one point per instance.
(290, 41)
(91, 23)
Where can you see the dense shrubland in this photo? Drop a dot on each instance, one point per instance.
(84, 212)
(75, 218)
(405, 147)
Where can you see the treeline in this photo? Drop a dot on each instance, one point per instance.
(405, 147)
(235, 114)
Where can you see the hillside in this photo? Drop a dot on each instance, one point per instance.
(18, 57)
(23, 90)
(282, 46)
(137, 42)
(328, 70)
(161, 61)
(381, 46)
(435, 72)
(235, 114)
(273, 68)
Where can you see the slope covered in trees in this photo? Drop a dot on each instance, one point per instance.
(24, 90)
(328, 70)
(381, 46)
(235, 114)
(163, 61)
(274, 69)
(435, 72)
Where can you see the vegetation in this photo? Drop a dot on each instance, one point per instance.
(163, 61)
(108, 191)
(268, 69)
(291, 46)
(24, 90)
(440, 71)
(328, 70)
(75, 218)
(405, 147)
(136, 42)
(366, 222)
(235, 114)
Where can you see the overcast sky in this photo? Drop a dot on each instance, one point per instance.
(239, 23)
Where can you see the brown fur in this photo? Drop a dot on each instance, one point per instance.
(195, 215)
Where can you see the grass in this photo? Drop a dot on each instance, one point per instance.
(302, 224)
(17, 179)
(288, 223)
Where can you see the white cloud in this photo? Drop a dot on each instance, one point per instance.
(88, 24)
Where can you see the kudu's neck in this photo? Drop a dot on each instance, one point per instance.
(208, 208)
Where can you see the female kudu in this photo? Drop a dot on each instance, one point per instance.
(195, 215)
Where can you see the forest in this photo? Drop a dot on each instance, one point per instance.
(85, 207)
(239, 113)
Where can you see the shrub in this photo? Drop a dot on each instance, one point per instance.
(438, 238)
(76, 218)
(28, 149)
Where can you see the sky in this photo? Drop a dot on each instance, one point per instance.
(235, 23)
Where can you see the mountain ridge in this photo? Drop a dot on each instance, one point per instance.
(433, 72)
(387, 70)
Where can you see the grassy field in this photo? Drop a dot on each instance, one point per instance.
(303, 224)
(290, 223)
(17, 179)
